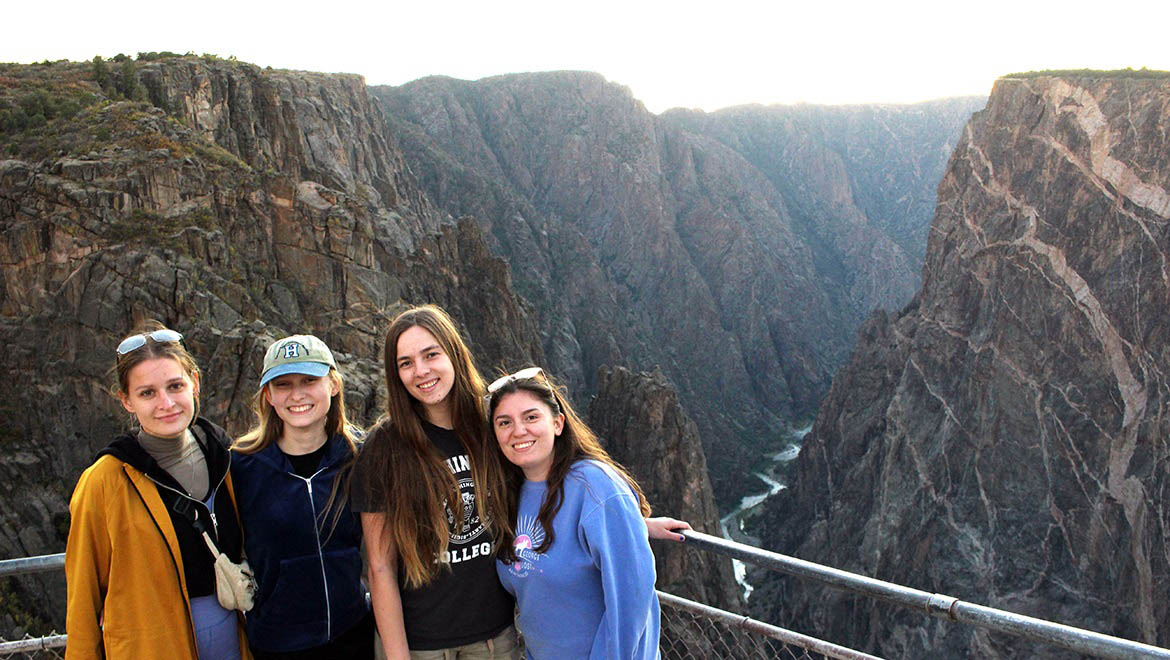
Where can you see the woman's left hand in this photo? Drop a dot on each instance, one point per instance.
(666, 528)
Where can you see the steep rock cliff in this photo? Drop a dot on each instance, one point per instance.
(642, 425)
(240, 205)
(859, 181)
(645, 244)
(1004, 438)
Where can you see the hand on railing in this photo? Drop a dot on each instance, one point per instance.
(666, 529)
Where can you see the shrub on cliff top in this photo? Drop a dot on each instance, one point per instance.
(1093, 73)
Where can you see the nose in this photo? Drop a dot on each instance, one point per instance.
(167, 400)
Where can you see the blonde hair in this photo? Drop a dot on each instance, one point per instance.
(269, 427)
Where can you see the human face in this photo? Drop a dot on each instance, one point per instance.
(426, 373)
(526, 429)
(300, 400)
(162, 396)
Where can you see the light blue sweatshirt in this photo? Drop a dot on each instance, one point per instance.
(592, 594)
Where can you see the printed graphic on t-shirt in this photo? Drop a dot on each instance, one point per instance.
(529, 535)
(470, 526)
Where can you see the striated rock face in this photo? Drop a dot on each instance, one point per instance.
(1004, 438)
(264, 203)
(859, 182)
(642, 425)
(652, 241)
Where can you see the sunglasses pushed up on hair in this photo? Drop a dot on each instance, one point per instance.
(523, 374)
(135, 342)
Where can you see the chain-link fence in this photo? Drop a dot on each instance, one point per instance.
(696, 631)
(34, 648)
(688, 633)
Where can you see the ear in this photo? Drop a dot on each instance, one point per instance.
(558, 424)
(195, 384)
(125, 399)
(267, 395)
(334, 388)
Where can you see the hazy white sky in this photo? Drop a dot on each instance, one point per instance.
(681, 53)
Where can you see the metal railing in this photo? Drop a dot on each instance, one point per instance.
(751, 638)
(937, 605)
(33, 647)
(691, 630)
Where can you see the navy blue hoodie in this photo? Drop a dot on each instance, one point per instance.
(308, 572)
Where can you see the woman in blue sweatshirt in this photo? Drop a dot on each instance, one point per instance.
(572, 544)
(301, 535)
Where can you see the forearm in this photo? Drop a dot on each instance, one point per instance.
(387, 604)
(384, 595)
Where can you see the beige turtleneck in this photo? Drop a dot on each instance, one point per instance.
(181, 458)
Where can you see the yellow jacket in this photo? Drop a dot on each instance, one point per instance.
(127, 593)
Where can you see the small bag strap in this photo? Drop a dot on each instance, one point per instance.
(211, 545)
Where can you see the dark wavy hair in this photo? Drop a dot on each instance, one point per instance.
(576, 442)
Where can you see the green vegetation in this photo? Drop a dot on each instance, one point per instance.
(144, 225)
(162, 55)
(1093, 73)
(77, 108)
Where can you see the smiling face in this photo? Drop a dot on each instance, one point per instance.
(161, 394)
(526, 429)
(300, 400)
(427, 373)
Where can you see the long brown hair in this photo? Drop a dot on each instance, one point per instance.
(269, 427)
(576, 442)
(407, 477)
(151, 349)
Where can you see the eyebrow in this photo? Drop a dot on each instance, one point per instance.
(151, 386)
(421, 351)
(522, 412)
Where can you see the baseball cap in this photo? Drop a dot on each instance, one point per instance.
(298, 354)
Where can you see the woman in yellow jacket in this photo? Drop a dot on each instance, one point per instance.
(140, 575)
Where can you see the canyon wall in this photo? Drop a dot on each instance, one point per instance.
(734, 251)
(1003, 438)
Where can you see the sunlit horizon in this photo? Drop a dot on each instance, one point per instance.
(671, 55)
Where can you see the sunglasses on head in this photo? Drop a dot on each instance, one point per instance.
(523, 374)
(135, 342)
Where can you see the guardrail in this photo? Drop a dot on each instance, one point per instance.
(933, 604)
(737, 635)
(937, 605)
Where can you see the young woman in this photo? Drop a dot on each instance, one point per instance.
(432, 566)
(572, 540)
(140, 576)
(301, 536)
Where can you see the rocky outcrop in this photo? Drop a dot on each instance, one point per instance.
(245, 205)
(642, 425)
(1003, 439)
(653, 242)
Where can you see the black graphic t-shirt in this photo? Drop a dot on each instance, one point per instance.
(462, 605)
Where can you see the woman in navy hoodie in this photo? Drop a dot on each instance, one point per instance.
(300, 534)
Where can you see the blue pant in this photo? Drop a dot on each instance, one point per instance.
(216, 633)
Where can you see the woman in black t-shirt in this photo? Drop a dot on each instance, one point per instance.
(430, 451)
(433, 582)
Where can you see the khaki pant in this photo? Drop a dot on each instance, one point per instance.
(501, 647)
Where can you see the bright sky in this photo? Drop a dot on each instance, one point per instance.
(707, 55)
